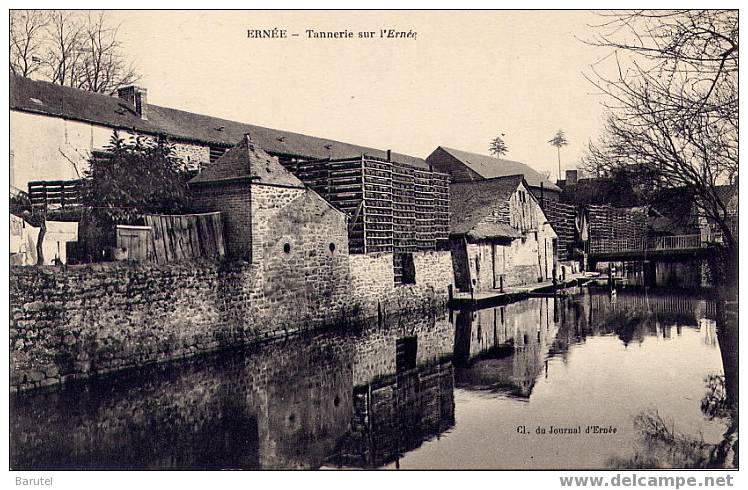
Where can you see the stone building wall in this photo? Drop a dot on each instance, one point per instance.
(194, 156)
(434, 269)
(301, 246)
(68, 323)
(480, 265)
(267, 201)
(523, 261)
(490, 263)
(234, 203)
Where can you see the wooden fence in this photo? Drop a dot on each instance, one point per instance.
(182, 237)
(62, 193)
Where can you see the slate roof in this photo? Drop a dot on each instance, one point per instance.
(55, 100)
(471, 202)
(599, 191)
(490, 167)
(247, 160)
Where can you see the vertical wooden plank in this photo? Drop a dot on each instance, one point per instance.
(141, 245)
(194, 240)
(221, 245)
(181, 233)
(197, 236)
(161, 241)
(158, 239)
(168, 243)
(210, 232)
(175, 230)
(203, 236)
(151, 248)
(207, 239)
(186, 239)
(178, 233)
(193, 246)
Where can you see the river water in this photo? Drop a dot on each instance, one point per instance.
(542, 383)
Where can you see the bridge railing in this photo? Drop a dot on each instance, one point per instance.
(648, 244)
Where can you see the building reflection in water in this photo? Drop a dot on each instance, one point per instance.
(356, 398)
(505, 349)
(360, 398)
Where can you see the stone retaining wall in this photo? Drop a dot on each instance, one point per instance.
(70, 323)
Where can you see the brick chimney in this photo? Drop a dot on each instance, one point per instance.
(137, 97)
(571, 177)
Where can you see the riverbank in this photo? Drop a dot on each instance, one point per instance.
(494, 297)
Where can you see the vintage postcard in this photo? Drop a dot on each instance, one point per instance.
(414, 240)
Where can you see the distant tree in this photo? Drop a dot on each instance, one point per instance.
(72, 48)
(498, 147)
(559, 140)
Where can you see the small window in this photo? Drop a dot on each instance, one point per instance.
(287, 247)
(332, 247)
(404, 268)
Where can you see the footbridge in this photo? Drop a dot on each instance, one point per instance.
(661, 248)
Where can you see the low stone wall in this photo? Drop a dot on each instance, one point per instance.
(373, 283)
(69, 323)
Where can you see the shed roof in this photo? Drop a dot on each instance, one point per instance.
(247, 160)
(472, 202)
(490, 167)
(55, 100)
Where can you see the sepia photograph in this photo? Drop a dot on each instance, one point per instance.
(374, 239)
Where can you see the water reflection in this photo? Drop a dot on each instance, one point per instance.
(443, 391)
(503, 349)
(368, 395)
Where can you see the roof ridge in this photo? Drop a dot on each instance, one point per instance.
(102, 109)
(484, 155)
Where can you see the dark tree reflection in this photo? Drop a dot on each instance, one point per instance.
(662, 446)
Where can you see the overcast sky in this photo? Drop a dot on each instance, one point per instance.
(466, 77)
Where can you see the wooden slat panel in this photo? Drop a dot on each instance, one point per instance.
(185, 237)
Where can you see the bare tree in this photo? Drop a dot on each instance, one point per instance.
(104, 68)
(673, 108)
(70, 48)
(64, 48)
(498, 147)
(27, 39)
(559, 140)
